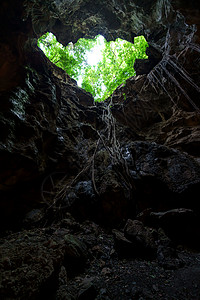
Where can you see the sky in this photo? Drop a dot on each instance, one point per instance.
(92, 57)
(95, 55)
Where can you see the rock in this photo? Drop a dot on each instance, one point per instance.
(31, 260)
(69, 223)
(87, 290)
(167, 254)
(33, 217)
(64, 293)
(155, 288)
(168, 258)
(115, 199)
(106, 272)
(85, 189)
(84, 204)
(48, 124)
(143, 238)
(144, 216)
(182, 132)
(167, 177)
(179, 171)
(163, 239)
(190, 13)
(178, 214)
(141, 293)
(137, 240)
(181, 225)
(62, 276)
(136, 292)
(76, 254)
(123, 246)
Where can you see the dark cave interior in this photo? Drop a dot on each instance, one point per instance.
(100, 200)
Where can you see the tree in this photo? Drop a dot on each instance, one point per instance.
(103, 78)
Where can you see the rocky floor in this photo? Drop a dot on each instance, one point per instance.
(71, 260)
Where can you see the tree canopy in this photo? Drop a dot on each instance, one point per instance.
(100, 76)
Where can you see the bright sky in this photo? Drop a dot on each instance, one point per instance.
(94, 56)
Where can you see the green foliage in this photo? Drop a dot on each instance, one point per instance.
(103, 78)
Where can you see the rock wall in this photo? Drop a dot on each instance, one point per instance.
(51, 126)
(100, 200)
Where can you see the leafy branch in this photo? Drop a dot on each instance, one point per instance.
(102, 79)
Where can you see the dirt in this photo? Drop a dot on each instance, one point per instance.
(76, 261)
(123, 278)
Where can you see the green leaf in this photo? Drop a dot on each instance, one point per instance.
(115, 67)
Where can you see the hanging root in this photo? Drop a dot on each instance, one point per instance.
(161, 74)
(114, 148)
(55, 195)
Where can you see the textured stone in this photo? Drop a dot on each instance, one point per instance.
(33, 217)
(143, 238)
(87, 290)
(49, 124)
(181, 225)
(30, 261)
(115, 198)
(50, 130)
(123, 246)
(166, 176)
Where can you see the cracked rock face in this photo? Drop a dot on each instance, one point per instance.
(51, 126)
(36, 256)
(68, 164)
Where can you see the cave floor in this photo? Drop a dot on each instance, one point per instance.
(122, 278)
(106, 274)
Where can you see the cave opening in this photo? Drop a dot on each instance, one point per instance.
(99, 66)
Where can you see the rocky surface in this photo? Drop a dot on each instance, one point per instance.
(32, 259)
(100, 200)
(82, 261)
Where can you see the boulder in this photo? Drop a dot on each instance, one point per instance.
(167, 177)
(124, 247)
(31, 260)
(136, 240)
(142, 237)
(181, 225)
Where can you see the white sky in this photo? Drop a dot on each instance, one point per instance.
(95, 55)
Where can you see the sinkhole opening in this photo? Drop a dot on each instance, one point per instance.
(98, 66)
